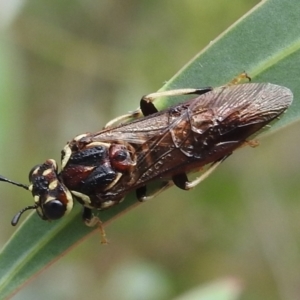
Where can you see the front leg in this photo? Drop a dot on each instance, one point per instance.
(90, 220)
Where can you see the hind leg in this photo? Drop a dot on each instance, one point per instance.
(148, 108)
(181, 179)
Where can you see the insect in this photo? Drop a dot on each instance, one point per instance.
(99, 169)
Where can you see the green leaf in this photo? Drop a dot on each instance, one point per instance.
(265, 43)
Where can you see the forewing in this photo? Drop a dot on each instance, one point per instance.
(195, 129)
(137, 132)
(248, 103)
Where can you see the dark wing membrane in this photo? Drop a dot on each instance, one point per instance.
(254, 102)
(201, 130)
(136, 132)
(211, 126)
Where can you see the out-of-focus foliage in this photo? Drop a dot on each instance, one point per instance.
(70, 66)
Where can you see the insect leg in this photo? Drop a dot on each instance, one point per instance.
(124, 118)
(181, 180)
(239, 78)
(91, 221)
(146, 104)
(141, 192)
(147, 107)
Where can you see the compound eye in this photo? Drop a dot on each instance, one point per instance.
(54, 209)
(121, 155)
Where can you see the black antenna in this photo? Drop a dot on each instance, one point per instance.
(24, 186)
(17, 217)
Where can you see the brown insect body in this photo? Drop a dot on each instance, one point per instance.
(99, 169)
(180, 139)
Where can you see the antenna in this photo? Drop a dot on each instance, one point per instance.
(17, 217)
(24, 186)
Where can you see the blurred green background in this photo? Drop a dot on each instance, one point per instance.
(68, 67)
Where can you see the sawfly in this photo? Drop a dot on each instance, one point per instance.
(99, 169)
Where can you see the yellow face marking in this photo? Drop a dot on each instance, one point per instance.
(36, 199)
(46, 172)
(35, 171)
(53, 184)
(53, 162)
